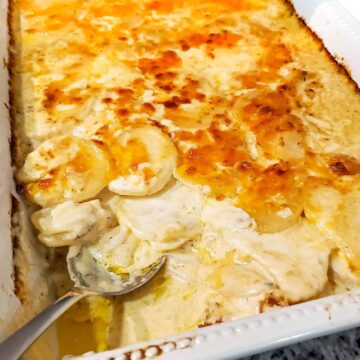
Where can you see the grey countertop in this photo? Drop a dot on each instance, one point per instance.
(341, 346)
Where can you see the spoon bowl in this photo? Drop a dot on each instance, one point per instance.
(90, 275)
(90, 278)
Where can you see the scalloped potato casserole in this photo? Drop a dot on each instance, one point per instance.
(218, 132)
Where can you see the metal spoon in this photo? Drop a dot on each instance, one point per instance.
(90, 278)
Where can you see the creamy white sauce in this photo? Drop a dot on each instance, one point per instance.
(296, 260)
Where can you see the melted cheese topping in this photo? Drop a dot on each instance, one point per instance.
(120, 96)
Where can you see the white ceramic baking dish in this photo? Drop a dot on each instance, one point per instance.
(340, 32)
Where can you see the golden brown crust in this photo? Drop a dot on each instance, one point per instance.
(270, 115)
(272, 108)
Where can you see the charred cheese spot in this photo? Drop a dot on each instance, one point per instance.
(341, 165)
(167, 60)
(52, 95)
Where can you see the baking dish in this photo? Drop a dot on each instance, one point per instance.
(329, 20)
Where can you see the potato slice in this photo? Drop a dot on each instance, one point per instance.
(167, 219)
(65, 168)
(146, 158)
(70, 223)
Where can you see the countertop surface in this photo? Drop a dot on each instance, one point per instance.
(341, 346)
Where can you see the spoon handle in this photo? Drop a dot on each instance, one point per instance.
(15, 345)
